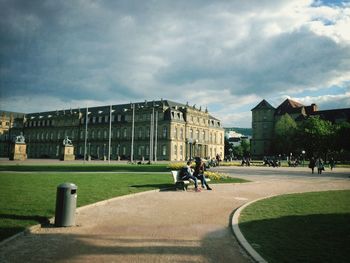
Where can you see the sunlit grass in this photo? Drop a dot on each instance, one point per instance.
(310, 227)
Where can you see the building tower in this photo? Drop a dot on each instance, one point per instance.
(263, 124)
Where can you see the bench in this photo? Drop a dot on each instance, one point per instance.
(182, 184)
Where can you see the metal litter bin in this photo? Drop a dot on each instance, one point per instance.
(66, 203)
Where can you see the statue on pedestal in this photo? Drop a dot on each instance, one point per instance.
(67, 142)
(67, 150)
(19, 148)
(19, 139)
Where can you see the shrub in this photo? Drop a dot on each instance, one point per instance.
(176, 166)
(215, 175)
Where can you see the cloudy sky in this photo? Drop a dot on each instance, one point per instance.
(226, 55)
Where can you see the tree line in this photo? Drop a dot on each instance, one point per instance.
(315, 136)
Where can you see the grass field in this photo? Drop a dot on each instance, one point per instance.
(310, 227)
(86, 167)
(28, 198)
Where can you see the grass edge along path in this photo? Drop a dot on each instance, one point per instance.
(307, 227)
(29, 198)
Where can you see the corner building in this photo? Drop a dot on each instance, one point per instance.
(265, 117)
(178, 131)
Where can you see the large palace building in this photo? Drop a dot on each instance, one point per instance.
(156, 130)
(265, 116)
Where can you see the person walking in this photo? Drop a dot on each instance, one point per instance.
(332, 163)
(320, 165)
(312, 164)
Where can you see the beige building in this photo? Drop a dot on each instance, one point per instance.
(163, 129)
(7, 122)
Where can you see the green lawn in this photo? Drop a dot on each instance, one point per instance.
(310, 227)
(86, 167)
(28, 198)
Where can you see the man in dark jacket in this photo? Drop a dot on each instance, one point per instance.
(199, 172)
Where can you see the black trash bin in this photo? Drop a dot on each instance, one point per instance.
(66, 203)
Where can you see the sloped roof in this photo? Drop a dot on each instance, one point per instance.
(289, 106)
(334, 115)
(118, 108)
(263, 105)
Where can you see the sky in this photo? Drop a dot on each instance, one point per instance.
(223, 55)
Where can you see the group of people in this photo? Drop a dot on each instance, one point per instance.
(319, 164)
(195, 174)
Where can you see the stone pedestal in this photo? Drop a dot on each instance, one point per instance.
(67, 153)
(18, 152)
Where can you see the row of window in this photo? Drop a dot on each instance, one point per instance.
(141, 133)
(94, 149)
(198, 120)
(213, 137)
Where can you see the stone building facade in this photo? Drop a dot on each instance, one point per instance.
(7, 122)
(265, 116)
(178, 131)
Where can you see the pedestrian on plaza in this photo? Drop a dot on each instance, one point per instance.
(312, 164)
(320, 165)
(332, 163)
(199, 172)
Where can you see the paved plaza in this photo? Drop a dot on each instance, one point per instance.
(167, 226)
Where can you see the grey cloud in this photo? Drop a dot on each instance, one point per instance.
(300, 59)
(83, 50)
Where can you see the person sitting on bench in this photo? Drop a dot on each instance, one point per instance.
(199, 172)
(186, 174)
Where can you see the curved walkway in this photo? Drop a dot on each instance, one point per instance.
(165, 226)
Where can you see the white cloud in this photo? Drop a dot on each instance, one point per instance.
(226, 55)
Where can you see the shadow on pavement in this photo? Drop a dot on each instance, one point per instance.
(217, 247)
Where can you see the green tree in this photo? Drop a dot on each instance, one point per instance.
(341, 140)
(284, 135)
(245, 145)
(315, 136)
(238, 151)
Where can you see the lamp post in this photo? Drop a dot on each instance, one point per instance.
(104, 152)
(89, 156)
(190, 142)
(118, 154)
(303, 153)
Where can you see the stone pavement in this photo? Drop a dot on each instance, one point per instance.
(167, 226)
